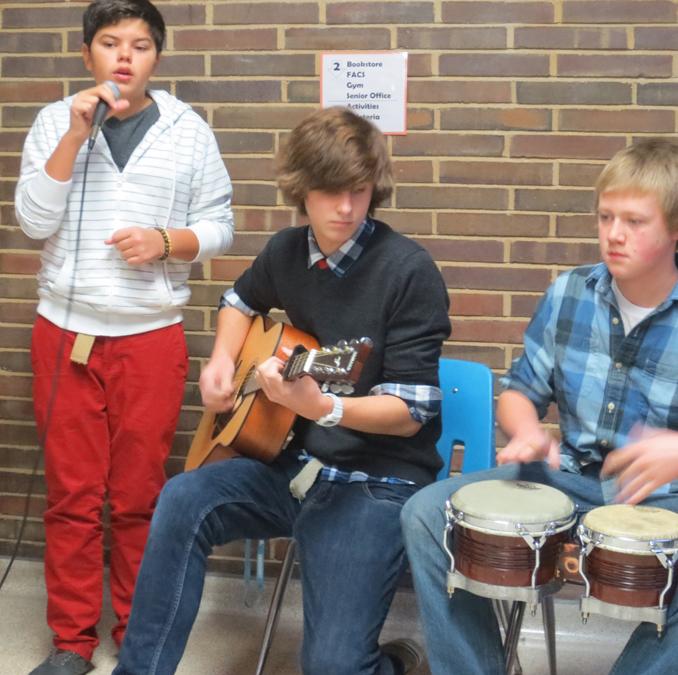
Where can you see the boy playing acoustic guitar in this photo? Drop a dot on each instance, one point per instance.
(354, 459)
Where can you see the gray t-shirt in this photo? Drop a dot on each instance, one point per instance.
(124, 135)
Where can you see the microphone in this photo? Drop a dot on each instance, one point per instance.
(100, 113)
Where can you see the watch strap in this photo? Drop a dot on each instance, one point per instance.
(334, 416)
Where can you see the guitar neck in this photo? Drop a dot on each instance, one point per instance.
(296, 365)
(293, 368)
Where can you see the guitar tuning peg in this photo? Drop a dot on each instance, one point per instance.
(342, 344)
(341, 388)
(325, 387)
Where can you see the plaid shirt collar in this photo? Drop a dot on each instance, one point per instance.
(601, 280)
(342, 259)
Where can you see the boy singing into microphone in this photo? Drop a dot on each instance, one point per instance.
(121, 228)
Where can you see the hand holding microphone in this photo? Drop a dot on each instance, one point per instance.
(86, 104)
(89, 110)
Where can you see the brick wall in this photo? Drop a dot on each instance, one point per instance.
(514, 106)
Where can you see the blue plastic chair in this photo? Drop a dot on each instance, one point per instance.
(467, 414)
(468, 421)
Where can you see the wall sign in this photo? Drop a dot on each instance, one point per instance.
(372, 84)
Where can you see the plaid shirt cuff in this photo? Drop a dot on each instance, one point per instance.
(423, 401)
(231, 299)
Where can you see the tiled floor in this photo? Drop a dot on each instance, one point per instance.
(225, 638)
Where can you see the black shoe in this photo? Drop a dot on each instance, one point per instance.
(406, 654)
(63, 662)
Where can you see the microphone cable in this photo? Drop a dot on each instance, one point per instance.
(42, 438)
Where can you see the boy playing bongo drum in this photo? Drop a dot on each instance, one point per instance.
(603, 346)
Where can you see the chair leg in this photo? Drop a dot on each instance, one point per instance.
(549, 619)
(512, 635)
(501, 611)
(276, 604)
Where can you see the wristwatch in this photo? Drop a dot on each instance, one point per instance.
(334, 416)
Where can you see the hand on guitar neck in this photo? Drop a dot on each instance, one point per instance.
(301, 395)
(252, 404)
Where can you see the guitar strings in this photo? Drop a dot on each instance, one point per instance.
(250, 375)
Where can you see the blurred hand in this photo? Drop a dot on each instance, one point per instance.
(644, 465)
(532, 445)
(216, 384)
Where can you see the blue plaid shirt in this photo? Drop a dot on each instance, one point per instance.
(602, 381)
(423, 401)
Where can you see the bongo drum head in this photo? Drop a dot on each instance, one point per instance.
(623, 524)
(497, 506)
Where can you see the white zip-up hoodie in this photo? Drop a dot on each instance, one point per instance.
(175, 178)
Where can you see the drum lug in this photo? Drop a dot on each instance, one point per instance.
(446, 537)
(536, 546)
(661, 556)
(450, 518)
(450, 584)
(669, 565)
(586, 547)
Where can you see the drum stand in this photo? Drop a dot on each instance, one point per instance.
(520, 596)
(512, 619)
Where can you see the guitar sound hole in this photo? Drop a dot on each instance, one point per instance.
(219, 424)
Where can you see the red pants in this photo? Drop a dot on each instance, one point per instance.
(110, 432)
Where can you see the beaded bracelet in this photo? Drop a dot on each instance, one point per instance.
(168, 243)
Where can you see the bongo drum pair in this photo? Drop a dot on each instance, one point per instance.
(627, 559)
(507, 536)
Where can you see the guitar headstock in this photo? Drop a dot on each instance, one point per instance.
(338, 367)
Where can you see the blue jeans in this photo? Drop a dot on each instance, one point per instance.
(463, 629)
(349, 545)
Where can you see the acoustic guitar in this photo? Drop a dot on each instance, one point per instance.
(255, 426)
